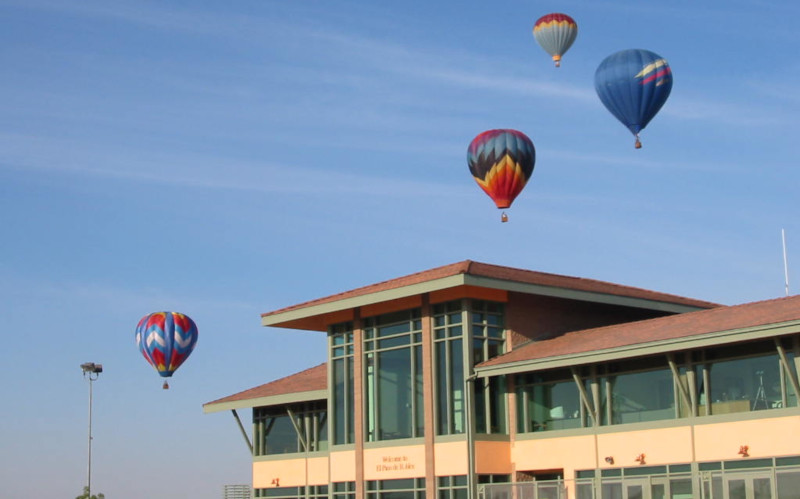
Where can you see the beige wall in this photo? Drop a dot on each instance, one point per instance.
(719, 441)
(391, 463)
(290, 472)
(778, 436)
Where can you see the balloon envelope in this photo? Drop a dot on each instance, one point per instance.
(555, 33)
(166, 339)
(633, 85)
(501, 161)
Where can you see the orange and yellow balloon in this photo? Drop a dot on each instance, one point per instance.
(501, 161)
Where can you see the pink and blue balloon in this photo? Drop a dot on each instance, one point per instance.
(166, 339)
(633, 85)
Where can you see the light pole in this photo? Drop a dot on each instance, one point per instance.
(93, 371)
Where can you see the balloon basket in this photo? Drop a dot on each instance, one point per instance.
(165, 386)
(504, 217)
(637, 144)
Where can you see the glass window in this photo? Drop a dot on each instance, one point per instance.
(341, 344)
(313, 492)
(281, 437)
(488, 341)
(275, 433)
(452, 487)
(449, 368)
(488, 330)
(490, 405)
(747, 384)
(410, 488)
(344, 490)
(393, 384)
(788, 484)
(542, 406)
(642, 396)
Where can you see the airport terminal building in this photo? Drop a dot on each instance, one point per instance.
(476, 380)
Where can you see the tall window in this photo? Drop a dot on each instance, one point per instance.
(448, 346)
(488, 341)
(341, 355)
(393, 369)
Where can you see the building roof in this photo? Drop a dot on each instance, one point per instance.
(470, 273)
(671, 333)
(304, 386)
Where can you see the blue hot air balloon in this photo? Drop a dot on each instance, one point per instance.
(633, 85)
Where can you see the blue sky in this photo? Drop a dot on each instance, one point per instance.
(225, 159)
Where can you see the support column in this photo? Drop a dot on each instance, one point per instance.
(428, 396)
(358, 399)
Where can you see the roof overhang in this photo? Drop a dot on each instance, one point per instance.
(575, 294)
(288, 398)
(316, 317)
(642, 349)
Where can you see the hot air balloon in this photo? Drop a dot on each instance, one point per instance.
(555, 33)
(633, 85)
(166, 339)
(501, 162)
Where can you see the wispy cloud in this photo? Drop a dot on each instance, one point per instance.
(199, 170)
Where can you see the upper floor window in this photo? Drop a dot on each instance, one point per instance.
(488, 341)
(548, 401)
(290, 429)
(393, 376)
(735, 380)
(728, 379)
(448, 345)
(488, 330)
(340, 339)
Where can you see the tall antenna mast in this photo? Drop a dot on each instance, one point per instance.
(785, 262)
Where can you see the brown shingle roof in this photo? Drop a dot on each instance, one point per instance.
(502, 273)
(689, 324)
(313, 379)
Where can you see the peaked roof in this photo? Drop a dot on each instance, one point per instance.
(486, 275)
(671, 333)
(307, 385)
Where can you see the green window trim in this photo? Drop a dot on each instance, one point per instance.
(741, 378)
(342, 375)
(393, 383)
